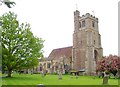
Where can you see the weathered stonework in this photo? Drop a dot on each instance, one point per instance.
(87, 48)
(84, 53)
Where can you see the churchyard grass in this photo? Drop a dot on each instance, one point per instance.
(34, 79)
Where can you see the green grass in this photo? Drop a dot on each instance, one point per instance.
(27, 79)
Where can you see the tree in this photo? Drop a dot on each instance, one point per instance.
(0, 52)
(110, 64)
(20, 48)
(8, 3)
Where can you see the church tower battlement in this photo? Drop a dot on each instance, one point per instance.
(81, 21)
(87, 49)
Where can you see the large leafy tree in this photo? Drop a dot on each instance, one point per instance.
(109, 64)
(20, 48)
(0, 51)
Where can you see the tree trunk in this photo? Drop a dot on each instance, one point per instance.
(9, 73)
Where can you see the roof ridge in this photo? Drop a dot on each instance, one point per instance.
(63, 47)
(65, 51)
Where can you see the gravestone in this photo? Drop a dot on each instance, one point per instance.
(43, 73)
(60, 72)
(76, 76)
(77, 73)
(105, 79)
(60, 75)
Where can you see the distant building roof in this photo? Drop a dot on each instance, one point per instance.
(61, 52)
(43, 59)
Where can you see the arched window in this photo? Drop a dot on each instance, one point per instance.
(95, 55)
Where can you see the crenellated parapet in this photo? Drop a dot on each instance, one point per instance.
(88, 15)
(86, 21)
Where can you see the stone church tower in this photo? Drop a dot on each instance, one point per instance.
(86, 43)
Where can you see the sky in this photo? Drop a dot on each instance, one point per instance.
(53, 21)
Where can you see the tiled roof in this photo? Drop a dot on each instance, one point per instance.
(61, 52)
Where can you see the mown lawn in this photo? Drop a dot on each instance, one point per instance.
(27, 79)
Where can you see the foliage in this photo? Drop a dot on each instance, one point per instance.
(0, 52)
(110, 64)
(20, 48)
(8, 3)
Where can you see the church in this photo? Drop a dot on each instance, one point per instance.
(84, 53)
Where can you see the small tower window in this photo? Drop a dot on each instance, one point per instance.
(83, 23)
(93, 24)
(94, 42)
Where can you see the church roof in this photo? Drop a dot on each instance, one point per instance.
(61, 52)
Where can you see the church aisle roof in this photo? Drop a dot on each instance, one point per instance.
(61, 52)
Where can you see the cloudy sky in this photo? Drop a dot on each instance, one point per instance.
(53, 20)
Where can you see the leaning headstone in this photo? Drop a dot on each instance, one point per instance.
(73, 74)
(60, 71)
(60, 75)
(76, 76)
(43, 73)
(105, 79)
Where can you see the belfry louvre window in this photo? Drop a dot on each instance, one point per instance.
(83, 23)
